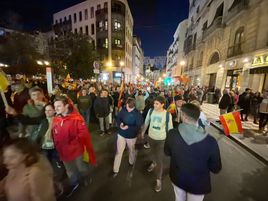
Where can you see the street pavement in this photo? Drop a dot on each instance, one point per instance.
(253, 141)
(243, 177)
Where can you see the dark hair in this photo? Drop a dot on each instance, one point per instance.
(191, 110)
(26, 147)
(49, 104)
(34, 89)
(63, 98)
(160, 99)
(131, 102)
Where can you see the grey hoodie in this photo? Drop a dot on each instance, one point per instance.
(191, 134)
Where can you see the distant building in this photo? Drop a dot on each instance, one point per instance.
(137, 59)
(109, 23)
(158, 62)
(226, 44)
(175, 54)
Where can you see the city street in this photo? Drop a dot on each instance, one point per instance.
(243, 177)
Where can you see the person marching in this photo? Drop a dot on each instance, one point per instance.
(194, 154)
(159, 122)
(71, 139)
(129, 120)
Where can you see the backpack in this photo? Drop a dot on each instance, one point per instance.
(167, 118)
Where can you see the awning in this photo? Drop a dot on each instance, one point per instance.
(259, 70)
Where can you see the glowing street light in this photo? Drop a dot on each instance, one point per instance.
(109, 64)
(39, 63)
(46, 63)
(182, 63)
(164, 75)
(121, 63)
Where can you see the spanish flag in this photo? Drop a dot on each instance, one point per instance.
(231, 123)
(120, 104)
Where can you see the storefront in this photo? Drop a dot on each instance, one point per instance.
(233, 79)
(117, 77)
(260, 69)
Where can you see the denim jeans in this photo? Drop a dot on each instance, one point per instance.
(76, 170)
(86, 115)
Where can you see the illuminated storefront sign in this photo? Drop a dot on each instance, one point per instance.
(260, 60)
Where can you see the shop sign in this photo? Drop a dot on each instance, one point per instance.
(260, 60)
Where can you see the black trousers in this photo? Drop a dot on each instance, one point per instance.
(263, 120)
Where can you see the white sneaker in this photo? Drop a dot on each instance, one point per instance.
(151, 167)
(158, 186)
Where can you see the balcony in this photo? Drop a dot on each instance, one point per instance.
(236, 8)
(235, 50)
(216, 24)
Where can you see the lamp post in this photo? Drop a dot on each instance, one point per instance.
(48, 74)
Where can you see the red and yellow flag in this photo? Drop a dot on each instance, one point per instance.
(231, 123)
(120, 94)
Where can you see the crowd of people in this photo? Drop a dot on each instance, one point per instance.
(55, 128)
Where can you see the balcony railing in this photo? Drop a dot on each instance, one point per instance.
(236, 9)
(216, 24)
(235, 50)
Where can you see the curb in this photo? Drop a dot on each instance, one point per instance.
(251, 151)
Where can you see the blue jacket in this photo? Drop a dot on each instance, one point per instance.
(191, 162)
(132, 119)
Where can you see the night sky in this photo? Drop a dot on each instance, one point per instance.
(155, 21)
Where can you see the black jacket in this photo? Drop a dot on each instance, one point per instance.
(225, 101)
(102, 107)
(191, 165)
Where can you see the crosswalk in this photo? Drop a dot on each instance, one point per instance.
(212, 112)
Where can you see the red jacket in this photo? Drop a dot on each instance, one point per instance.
(71, 136)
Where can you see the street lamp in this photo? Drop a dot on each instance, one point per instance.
(48, 74)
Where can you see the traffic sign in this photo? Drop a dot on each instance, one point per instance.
(96, 65)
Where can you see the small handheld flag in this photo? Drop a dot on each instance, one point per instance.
(231, 123)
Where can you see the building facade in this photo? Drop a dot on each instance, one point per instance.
(226, 44)
(137, 59)
(110, 24)
(158, 62)
(175, 53)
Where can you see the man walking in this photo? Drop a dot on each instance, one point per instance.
(160, 121)
(194, 154)
(129, 121)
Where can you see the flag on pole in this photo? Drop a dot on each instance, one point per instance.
(231, 123)
(3, 86)
(120, 94)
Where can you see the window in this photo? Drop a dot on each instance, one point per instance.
(214, 58)
(197, 10)
(100, 24)
(239, 36)
(106, 25)
(65, 19)
(75, 18)
(87, 30)
(60, 20)
(70, 17)
(92, 29)
(86, 14)
(105, 5)
(106, 43)
(205, 25)
(117, 26)
(80, 16)
(92, 12)
(98, 7)
(56, 22)
(81, 30)
(117, 42)
(75, 30)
